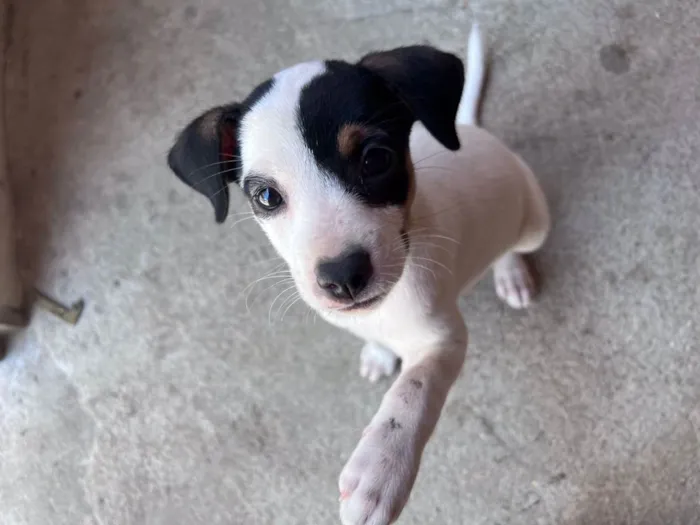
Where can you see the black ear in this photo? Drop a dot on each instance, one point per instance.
(205, 155)
(428, 81)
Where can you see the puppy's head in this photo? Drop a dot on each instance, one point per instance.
(321, 150)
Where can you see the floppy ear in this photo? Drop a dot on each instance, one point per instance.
(205, 155)
(428, 81)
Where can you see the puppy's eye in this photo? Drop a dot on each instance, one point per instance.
(377, 160)
(268, 198)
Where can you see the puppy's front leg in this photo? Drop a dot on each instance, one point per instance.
(377, 480)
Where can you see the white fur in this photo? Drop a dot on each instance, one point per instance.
(476, 208)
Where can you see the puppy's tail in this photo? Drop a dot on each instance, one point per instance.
(468, 113)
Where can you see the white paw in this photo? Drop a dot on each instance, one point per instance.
(514, 282)
(377, 480)
(377, 362)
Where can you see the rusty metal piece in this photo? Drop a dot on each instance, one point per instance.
(70, 315)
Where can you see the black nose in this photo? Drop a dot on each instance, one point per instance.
(346, 276)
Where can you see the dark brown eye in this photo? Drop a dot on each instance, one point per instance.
(377, 161)
(268, 198)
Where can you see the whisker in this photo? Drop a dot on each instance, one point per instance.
(241, 214)
(209, 166)
(430, 243)
(432, 261)
(426, 245)
(425, 268)
(308, 314)
(438, 236)
(443, 168)
(269, 314)
(222, 172)
(415, 163)
(276, 283)
(241, 220)
(272, 275)
(286, 300)
(295, 301)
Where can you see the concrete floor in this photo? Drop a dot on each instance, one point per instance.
(172, 403)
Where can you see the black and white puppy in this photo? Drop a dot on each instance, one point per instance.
(375, 185)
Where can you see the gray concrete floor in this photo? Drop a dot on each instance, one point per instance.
(172, 403)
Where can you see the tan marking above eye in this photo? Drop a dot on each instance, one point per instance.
(350, 137)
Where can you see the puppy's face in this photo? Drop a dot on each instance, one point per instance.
(321, 152)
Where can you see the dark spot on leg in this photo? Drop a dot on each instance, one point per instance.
(190, 12)
(394, 424)
(416, 384)
(77, 94)
(614, 58)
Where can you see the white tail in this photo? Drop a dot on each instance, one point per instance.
(476, 67)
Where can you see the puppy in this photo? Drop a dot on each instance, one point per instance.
(374, 183)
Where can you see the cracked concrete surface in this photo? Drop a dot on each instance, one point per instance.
(174, 402)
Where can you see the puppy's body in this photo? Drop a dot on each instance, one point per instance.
(475, 208)
(356, 174)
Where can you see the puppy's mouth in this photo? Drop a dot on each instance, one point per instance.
(363, 305)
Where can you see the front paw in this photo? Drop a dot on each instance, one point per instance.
(377, 362)
(377, 480)
(514, 281)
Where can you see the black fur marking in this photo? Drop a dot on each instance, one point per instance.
(394, 424)
(384, 94)
(206, 153)
(348, 94)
